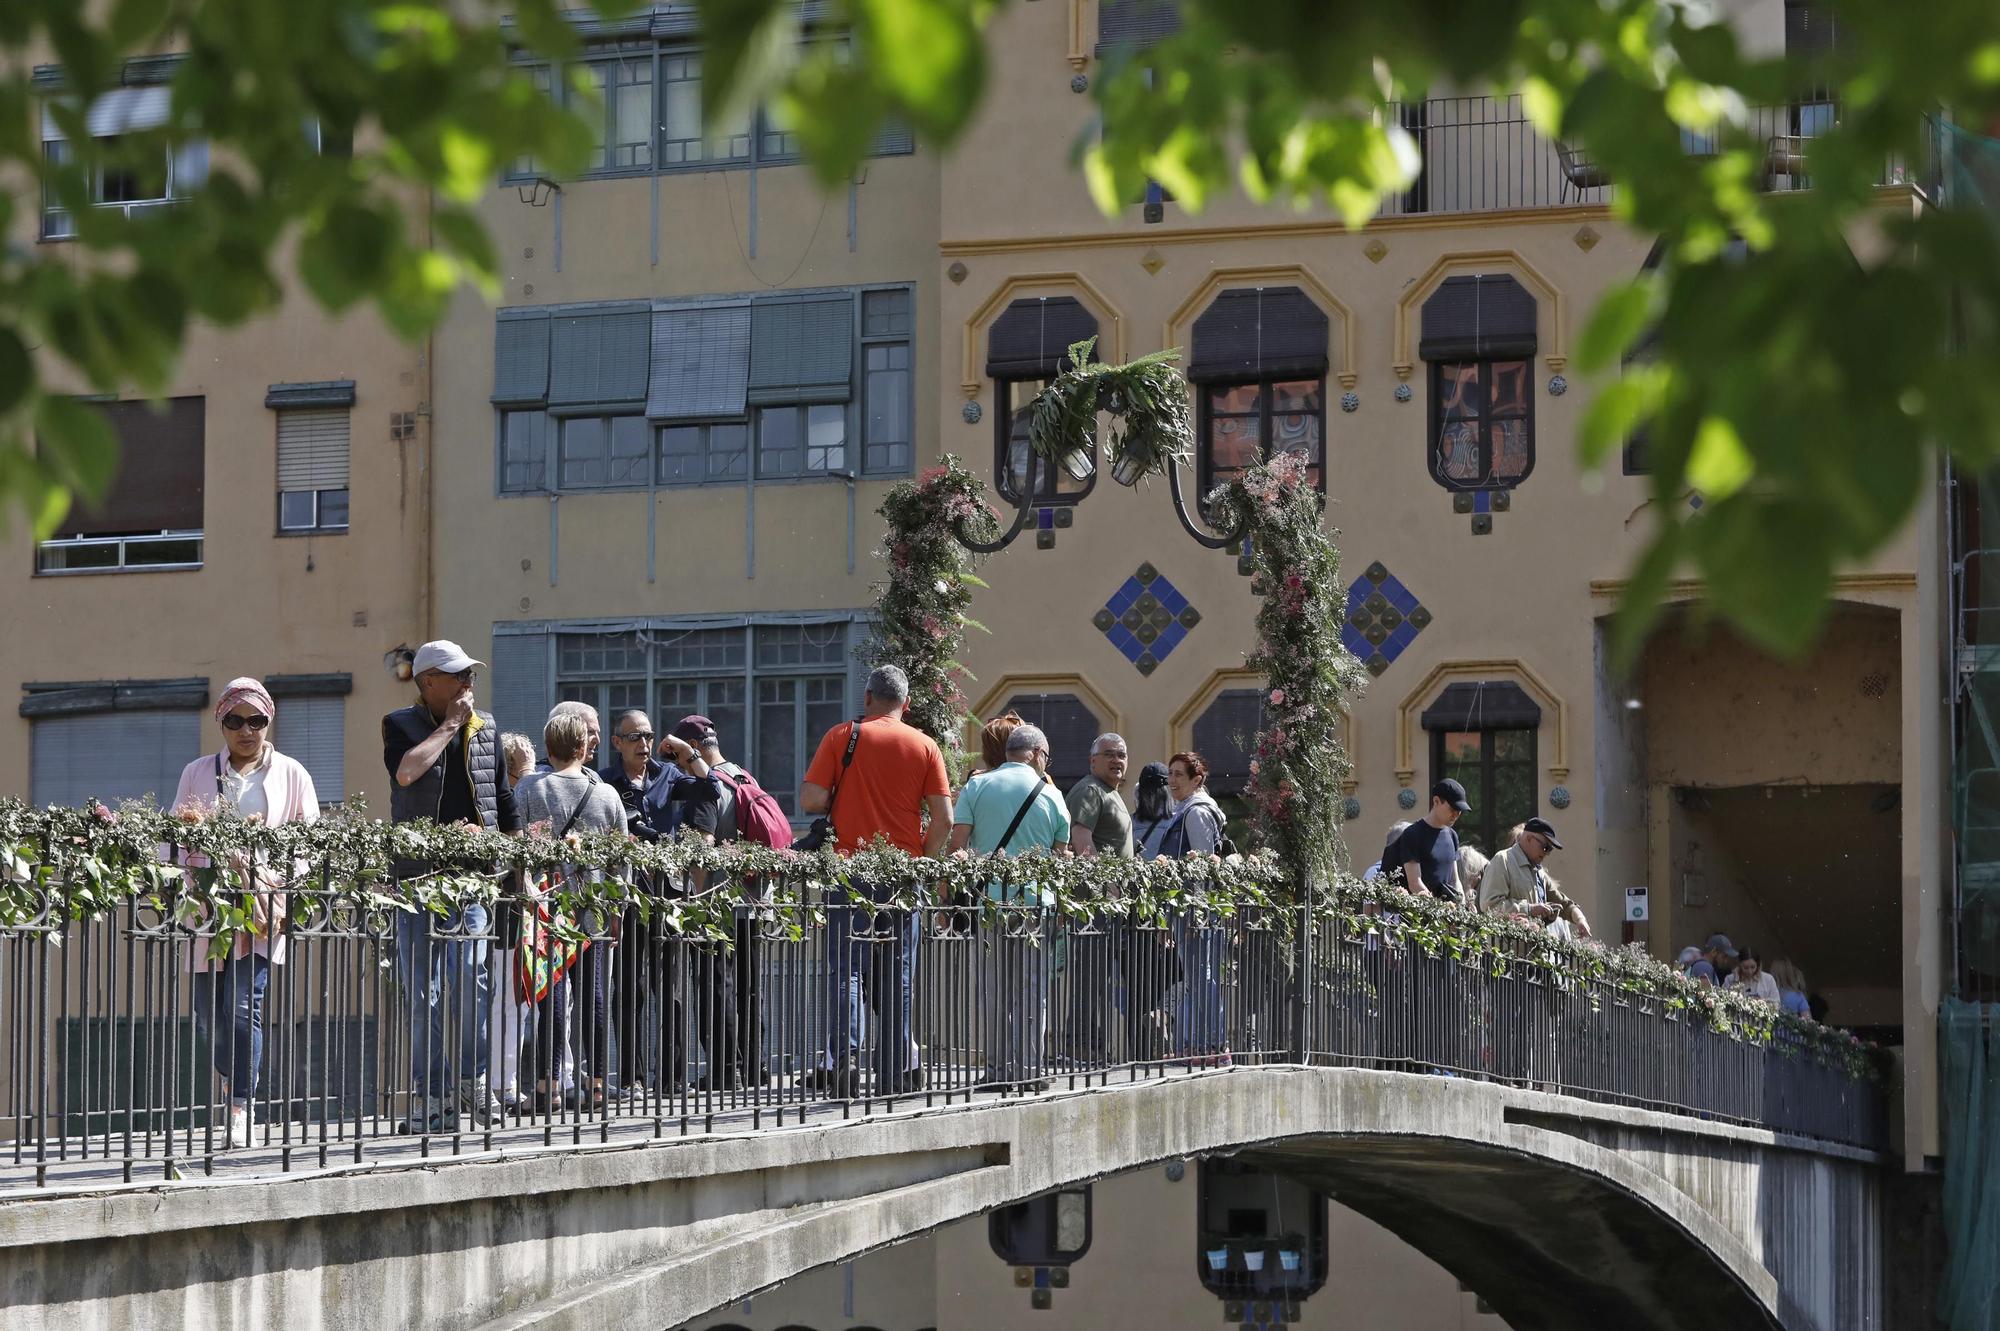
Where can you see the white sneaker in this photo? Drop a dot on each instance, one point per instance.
(477, 1099)
(239, 1125)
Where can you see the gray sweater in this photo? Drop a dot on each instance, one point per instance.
(551, 797)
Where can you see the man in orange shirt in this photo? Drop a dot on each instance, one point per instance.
(876, 777)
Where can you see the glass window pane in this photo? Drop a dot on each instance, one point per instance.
(333, 508)
(633, 114)
(778, 720)
(523, 450)
(1514, 745)
(777, 139)
(1458, 451)
(779, 442)
(885, 313)
(728, 452)
(886, 401)
(1458, 389)
(590, 80)
(631, 450)
(1297, 395)
(680, 454)
(826, 437)
(1510, 450)
(1508, 381)
(295, 510)
(1052, 482)
(1298, 434)
(783, 645)
(697, 651)
(584, 444)
(723, 702)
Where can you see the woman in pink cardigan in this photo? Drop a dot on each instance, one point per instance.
(250, 778)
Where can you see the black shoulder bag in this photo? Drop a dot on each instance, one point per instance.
(822, 826)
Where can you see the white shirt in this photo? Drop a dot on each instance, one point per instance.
(244, 791)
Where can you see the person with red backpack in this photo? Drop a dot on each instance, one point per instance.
(729, 988)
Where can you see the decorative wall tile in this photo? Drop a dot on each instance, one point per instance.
(1146, 618)
(1383, 618)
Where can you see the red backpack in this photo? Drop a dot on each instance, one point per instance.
(759, 816)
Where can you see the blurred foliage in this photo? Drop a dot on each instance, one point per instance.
(1801, 389)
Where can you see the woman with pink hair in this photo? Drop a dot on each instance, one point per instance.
(246, 778)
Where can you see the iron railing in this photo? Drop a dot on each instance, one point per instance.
(1481, 154)
(122, 1062)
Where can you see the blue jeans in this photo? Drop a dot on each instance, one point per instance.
(445, 984)
(879, 969)
(1198, 1025)
(234, 994)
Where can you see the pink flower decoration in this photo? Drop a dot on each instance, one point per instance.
(1277, 697)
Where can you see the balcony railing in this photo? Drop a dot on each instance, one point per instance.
(740, 1006)
(1481, 154)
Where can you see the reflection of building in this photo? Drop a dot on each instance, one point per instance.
(649, 479)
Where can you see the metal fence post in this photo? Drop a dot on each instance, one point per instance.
(1302, 973)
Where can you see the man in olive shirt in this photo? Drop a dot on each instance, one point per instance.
(1099, 825)
(1099, 821)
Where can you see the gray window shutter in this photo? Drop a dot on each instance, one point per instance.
(802, 351)
(1489, 316)
(1259, 333)
(522, 691)
(1126, 25)
(893, 139)
(1031, 338)
(312, 449)
(112, 756)
(701, 363)
(521, 358)
(1483, 705)
(313, 730)
(160, 471)
(598, 362)
(1071, 728)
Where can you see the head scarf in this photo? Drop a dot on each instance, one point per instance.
(241, 690)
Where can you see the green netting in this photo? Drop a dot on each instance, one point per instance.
(1969, 1299)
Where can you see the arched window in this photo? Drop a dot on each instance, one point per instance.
(1225, 735)
(1070, 725)
(1482, 735)
(1027, 346)
(1259, 365)
(1479, 341)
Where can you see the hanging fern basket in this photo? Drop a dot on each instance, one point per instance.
(1147, 400)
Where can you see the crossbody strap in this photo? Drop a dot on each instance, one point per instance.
(1015, 826)
(846, 761)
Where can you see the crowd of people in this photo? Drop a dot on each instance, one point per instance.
(508, 1015)
(1781, 984)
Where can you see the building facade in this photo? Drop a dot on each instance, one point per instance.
(648, 479)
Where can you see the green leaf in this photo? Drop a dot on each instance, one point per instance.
(17, 374)
(1622, 315)
(1719, 465)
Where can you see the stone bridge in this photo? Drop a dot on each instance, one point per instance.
(1561, 1212)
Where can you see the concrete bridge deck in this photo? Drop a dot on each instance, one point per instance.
(1561, 1212)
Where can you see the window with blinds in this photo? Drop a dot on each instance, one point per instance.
(312, 469)
(312, 730)
(1071, 728)
(112, 756)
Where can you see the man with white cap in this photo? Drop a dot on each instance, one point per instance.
(443, 755)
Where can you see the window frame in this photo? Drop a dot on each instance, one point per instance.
(319, 526)
(1486, 480)
(649, 460)
(1485, 799)
(597, 687)
(1205, 421)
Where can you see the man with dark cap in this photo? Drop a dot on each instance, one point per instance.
(1427, 851)
(1515, 883)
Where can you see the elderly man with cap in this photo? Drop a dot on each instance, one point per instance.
(443, 756)
(1516, 883)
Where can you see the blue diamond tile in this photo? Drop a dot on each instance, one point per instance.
(1170, 596)
(1354, 642)
(1393, 645)
(1383, 618)
(1124, 596)
(1399, 596)
(1170, 638)
(1482, 502)
(1146, 618)
(1046, 519)
(1128, 646)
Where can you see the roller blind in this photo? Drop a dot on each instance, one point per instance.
(1130, 24)
(1259, 333)
(521, 358)
(158, 485)
(802, 350)
(112, 756)
(1071, 728)
(598, 362)
(1485, 317)
(1032, 337)
(1483, 705)
(314, 731)
(701, 363)
(1224, 736)
(119, 111)
(312, 449)
(522, 690)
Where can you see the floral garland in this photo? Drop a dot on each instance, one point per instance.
(920, 607)
(61, 865)
(1298, 761)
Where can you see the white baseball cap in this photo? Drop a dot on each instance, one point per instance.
(442, 655)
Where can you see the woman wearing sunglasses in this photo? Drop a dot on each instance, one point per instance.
(247, 778)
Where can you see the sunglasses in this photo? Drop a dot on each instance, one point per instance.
(643, 736)
(462, 676)
(255, 722)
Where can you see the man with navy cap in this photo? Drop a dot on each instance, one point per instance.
(1427, 851)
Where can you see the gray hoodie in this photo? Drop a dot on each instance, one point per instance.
(1198, 823)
